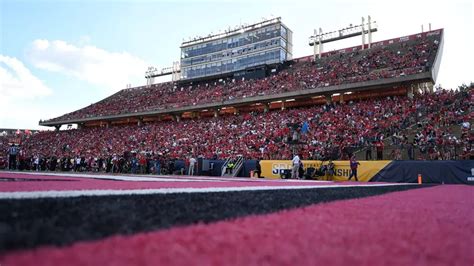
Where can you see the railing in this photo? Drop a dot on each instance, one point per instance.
(224, 166)
(238, 163)
(238, 166)
(417, 152)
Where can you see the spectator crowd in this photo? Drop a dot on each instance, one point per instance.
(331, 131)
(422, 127)
(391, 60)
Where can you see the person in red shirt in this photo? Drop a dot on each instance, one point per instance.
(142, 162)
(379, 147)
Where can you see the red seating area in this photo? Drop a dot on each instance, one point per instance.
(384, 61)
(334, 131)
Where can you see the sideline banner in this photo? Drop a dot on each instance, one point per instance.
(365, 172)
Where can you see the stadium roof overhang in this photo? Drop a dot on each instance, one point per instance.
(358, 86)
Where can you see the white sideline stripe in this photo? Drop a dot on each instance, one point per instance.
(106, 192)
(109, 177)
(166, 178)
(247, 179)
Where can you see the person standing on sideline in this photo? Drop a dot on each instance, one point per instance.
(296, 166)
(157, 164)
(258, 169)
(379, 148)
(411, 151)
(354, 164)
(36, 162)
(368, 151)
(192, 164)
(330, 170)
(12, 153)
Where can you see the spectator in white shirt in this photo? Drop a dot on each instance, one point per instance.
(296, 166)
(192, 164)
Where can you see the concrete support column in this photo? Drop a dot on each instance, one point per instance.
(282, 105)
(140, 122)
(419, 88)
(177, 117)
(341, 98)
(266, 107)
(430, 87)
(57, 127)
(410, 92)
(425, 88)
(328, 98)
(216, 112)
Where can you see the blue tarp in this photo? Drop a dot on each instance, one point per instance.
(439, 172)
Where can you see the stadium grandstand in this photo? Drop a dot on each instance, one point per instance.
(246, 155)
(375, 100)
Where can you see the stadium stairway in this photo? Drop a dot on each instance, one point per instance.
(410, 132)
(235, 164)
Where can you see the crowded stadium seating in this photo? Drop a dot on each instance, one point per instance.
(383, 61)
(332, 131)
(391, 123)
(442, 134)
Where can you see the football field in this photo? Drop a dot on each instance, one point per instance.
(84, 219)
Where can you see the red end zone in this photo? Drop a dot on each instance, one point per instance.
(430, 226)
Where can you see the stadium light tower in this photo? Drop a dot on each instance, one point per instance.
(150, 75)
(363, 32)
(363, 29)
(153, 72)
(370, 30)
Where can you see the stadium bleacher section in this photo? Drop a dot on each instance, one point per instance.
(332, 131)
(415, 128)
(387, 59)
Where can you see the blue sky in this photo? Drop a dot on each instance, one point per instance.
(59, 56)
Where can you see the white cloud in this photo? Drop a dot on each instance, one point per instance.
(109, 70)
(84, 39)
(19, 94)
(16, 81)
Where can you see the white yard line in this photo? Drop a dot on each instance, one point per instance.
(165, 178)
(108, 177)
(106, 192)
